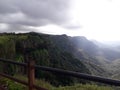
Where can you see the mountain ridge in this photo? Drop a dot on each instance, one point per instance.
(59, 51)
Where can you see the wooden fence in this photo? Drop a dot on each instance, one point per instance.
(31, 74)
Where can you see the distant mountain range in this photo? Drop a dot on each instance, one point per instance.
(104, 55)
(112, 43)
(107, 44)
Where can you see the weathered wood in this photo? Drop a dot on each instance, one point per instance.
(20, 81)
(31, 74)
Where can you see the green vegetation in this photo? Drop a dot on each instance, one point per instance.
(42, 83)
(11, 85)
(46, 50)
(84, 87)
(57, 51)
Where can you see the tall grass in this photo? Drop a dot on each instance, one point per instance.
(84, 87)
(42, 83)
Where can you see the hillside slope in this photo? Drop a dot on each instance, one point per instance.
(58, 51)
(45, 50)
(101, 59)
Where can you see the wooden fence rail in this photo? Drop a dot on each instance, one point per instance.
(31, 77)
(31, 71)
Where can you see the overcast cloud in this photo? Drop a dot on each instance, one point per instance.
(94, 19)
(19, 15)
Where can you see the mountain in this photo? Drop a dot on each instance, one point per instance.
(58, 51)
(91, 48)
(106, 44)
(82, 44)
(47, 50)
(112, 43)
(100, 56)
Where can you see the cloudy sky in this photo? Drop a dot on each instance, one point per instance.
(95, 19)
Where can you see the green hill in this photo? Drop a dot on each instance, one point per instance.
(57, 51)
(46, 50)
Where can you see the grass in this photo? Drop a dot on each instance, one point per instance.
(38, 82)
(84, 87)
(3, 39)
(11, 84)
(42, 83)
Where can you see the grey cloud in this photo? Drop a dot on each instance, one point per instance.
(16, 28)
(49, 9)
(52, 10)
(7, 6)
(20, 13)
(73, 27)
(21, 19)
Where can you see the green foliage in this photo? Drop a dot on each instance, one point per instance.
(19, 58)
(7, 50)
(46, 50)
(57, 51)
(22, 37)
(11, 85)
(38, 82)
(42, 83)
(84, 87)
(41, 56)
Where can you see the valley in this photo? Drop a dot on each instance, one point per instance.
(104, 57)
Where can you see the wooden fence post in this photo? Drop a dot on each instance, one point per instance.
(31, 74)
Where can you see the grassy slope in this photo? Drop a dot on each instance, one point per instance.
(84, 87)
(16, 86)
